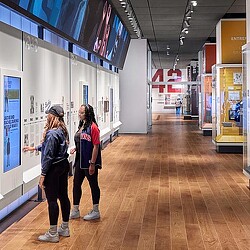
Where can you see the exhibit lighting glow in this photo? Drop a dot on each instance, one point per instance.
(194, 3)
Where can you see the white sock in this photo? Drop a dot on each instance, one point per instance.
(96, 207)
(53, 229)
(76, 207)
(65, 225)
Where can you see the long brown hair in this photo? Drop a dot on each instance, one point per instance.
(55, 122)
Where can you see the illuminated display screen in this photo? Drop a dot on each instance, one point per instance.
(12, 133)
(92, 24)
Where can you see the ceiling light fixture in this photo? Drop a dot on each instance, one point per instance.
(131, 16)
(187, 23)
(185, 30)
(185, 26)
(194, 3)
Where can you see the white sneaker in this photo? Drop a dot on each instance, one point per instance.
(92, 215)
(63, 231)
(74, 214)
(48, 237)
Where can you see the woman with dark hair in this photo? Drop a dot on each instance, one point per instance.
(87, 161)
(54, 175)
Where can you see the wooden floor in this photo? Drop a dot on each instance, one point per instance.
(165, 190)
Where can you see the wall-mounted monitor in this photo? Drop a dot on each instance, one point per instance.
(12, 116)
(92, 24)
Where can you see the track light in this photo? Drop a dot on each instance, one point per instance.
(187, 23)
(131, 16)
(185, 30)
(194, 3)
(181, 42)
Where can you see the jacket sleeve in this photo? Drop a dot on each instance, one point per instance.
(49, 152)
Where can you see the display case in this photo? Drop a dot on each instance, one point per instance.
(246, 110)
(227, 108)
(206, 104)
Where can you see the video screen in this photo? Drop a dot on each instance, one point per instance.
(93, 24)
(12, 113)
(65, 15)
(104, 33)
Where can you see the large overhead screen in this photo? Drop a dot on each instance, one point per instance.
(92, 24)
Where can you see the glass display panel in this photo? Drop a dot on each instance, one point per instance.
(12, 115)
(228, 106)
(246, 111)
(206, 93)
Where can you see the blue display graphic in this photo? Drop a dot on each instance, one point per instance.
(12, 138)
(85, 93)
(65, 15)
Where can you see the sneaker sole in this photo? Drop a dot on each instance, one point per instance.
(64, 235)
(44, 240)
(74, 217)
(94, 218)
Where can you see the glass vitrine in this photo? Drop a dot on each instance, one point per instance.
(206, 104)
(246, 109)
(227, 110)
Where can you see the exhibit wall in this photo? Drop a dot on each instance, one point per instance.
(33, 78)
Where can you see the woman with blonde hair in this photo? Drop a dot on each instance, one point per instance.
(54, 174)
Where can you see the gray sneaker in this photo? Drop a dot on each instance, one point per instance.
(92, 215)
(74, 214)
(48, 237)
(63, 231)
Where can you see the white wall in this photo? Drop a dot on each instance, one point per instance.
(49, 76)
(248, 20)
(133, 89)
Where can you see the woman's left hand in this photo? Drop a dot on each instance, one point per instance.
(41, 182)
(91, 169)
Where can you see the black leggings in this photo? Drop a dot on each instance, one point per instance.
(79, 176)
(56, 187)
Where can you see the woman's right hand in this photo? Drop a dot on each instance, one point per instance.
(72, 151)
(28, 148)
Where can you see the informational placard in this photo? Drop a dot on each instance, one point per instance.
(12, 133)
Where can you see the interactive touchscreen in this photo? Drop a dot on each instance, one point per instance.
(12, 133)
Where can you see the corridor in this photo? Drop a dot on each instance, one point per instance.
(165, 190)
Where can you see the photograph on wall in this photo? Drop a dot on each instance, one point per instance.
(111, 105)
(85, 93)
(106, 106)
(237, 78)
(32, 104)
(233, 95)
(12, 115)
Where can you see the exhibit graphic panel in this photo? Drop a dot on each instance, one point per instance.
(230, 37)
(12, 116)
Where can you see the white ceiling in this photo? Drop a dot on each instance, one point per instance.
(161, 22)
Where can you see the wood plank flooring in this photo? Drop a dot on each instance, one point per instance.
(165, 190)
